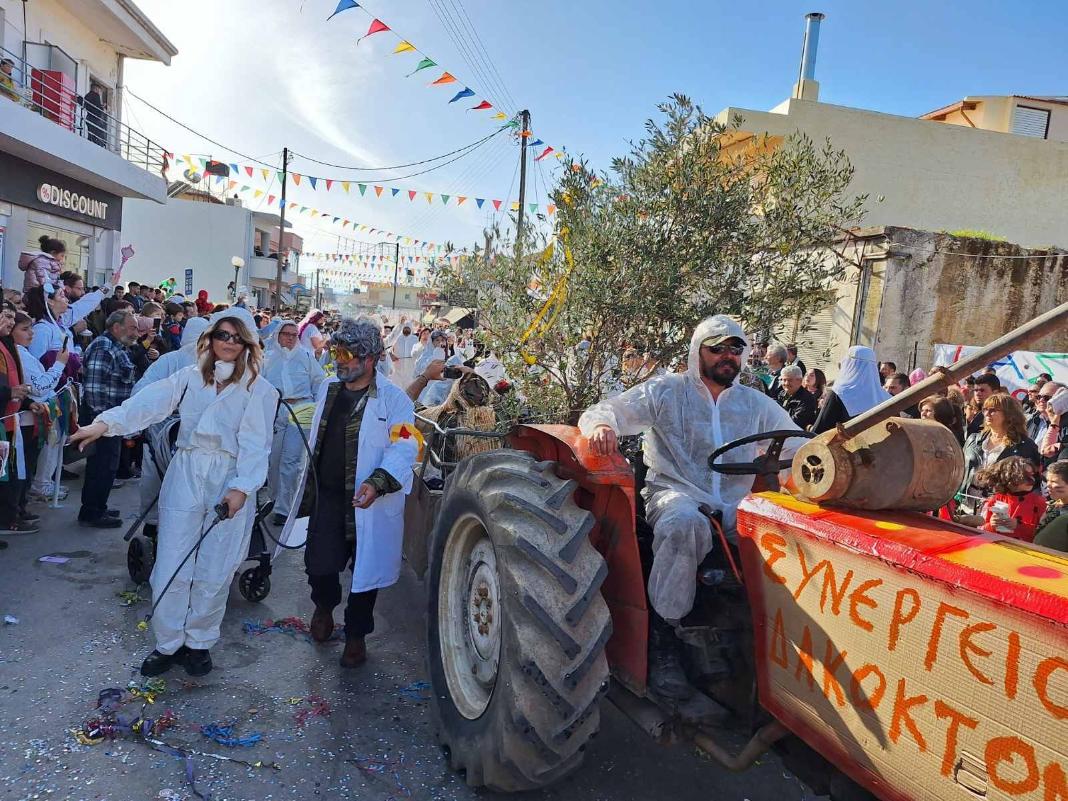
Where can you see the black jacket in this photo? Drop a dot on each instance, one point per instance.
(831, 413)
(801, 406)
(973, 455)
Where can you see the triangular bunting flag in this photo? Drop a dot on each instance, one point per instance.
(485, 104)
(422, 65)
(403, 47)
(329, 183)
(265, 172)
(465, 92)
(279, 177)
(296, 178)
(248, 171)
(411, 194)
(378, 191)
(544, 153)
(233, 167)
(460, 200)
(394, 190)
(345, 186)
(479, 201)
(500, 115)
(445, 78)
(344, 5)
(533, 207)
(429, 196)
(362, 188)
(257, 193)
(444, 200)
(377, 26)
(551, 209)
(497, 205)
(312, 179)
(270, 200)
(535, 143)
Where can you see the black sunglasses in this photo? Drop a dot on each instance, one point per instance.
(734, 350)
(225, 336)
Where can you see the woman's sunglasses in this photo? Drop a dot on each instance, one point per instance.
(225, 336)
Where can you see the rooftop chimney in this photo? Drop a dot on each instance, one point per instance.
(807, 88)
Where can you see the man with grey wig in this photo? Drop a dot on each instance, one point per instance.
(363, 447)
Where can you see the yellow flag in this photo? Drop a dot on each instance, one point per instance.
(500, 115)
(265, 173)
(404, 47)
(257, 193)
(345, 185)
(429, 196)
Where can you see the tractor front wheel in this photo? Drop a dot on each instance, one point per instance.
(517, 626)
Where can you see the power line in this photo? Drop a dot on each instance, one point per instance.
(130, 92)
(458, 39)
(401, 166)
(485, 53)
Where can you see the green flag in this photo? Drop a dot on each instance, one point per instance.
(422, 65)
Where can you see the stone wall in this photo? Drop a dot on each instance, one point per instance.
(945, 289)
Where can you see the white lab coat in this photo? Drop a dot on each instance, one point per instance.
(404, 349)
(297, 376)
(380, 527)
(311, 331)
(683, 426)
(48, 335)
(224, 443)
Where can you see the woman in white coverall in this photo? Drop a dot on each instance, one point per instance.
(224, 443)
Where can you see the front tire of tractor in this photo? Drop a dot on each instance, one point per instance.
(517, 626)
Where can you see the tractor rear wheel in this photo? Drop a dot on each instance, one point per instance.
(517, 626)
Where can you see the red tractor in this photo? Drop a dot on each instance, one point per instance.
(881, 651)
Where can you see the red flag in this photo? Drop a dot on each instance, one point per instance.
(411, 194)
(485, 104)
(330, 182)
(377, 26)
(270, 200)
(497, 205)
(544, 153)
(249, 171)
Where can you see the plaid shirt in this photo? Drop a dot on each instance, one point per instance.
(109, 374)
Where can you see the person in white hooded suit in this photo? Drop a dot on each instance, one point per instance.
(685, 417)
(224, 442)
(295, 373)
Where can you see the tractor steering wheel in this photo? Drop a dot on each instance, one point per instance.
(767, 464)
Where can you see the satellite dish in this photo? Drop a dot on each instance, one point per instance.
(192, 176)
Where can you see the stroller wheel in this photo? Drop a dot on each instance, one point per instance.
(140, 558)
(254, 584)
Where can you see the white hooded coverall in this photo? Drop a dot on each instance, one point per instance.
(224, 442)
(297, 376)
(403, 346)
(683, 426)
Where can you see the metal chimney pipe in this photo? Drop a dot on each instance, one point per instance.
(808, 50)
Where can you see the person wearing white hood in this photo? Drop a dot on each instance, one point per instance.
(403, 347)
(224, 443)
(165, 366)
(297, 376)
(685, 417)
(858, 388)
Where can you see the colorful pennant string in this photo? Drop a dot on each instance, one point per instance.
(344, 5)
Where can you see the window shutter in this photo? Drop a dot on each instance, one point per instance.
(1029, 121)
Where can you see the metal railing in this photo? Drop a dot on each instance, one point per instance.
(52, 93)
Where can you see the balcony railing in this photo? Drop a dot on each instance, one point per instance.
(52, 92)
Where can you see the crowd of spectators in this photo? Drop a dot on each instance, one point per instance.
(1015, 449)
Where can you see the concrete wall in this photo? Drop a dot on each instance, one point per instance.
(951, 296)
(932, 176)
(181, 234)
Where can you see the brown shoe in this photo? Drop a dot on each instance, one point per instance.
(322, 624)
(355, 653)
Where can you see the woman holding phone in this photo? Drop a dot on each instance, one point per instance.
(224, 445)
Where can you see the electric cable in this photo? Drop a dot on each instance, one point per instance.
(461, 45)
(481, 47)
(397, 166)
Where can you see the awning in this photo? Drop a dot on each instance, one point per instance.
(457, 314)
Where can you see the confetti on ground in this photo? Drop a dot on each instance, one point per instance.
(224, 735)
(416, 691)
(54, 560)
(293, 626)
(317, 707)
(10, 620)
(386, 771)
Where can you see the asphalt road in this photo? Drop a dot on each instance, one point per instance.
(74, 637)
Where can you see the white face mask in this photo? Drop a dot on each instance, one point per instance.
(223, 371)
(289, 353)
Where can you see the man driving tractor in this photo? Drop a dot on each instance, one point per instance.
(686, 416)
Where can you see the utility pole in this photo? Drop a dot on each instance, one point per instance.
(281, 234)
(524, 126)
(396, 269)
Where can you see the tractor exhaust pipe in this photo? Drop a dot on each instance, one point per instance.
(764, 739)
(646, 715)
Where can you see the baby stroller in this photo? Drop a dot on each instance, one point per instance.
(254, 583)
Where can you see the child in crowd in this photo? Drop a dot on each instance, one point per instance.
(1015, 507)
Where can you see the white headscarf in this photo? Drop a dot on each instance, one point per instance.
(194, 327)
(859, 385)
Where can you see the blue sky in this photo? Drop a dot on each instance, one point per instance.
(260, 75)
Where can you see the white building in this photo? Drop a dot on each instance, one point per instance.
(66, 164)
(195, 239)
